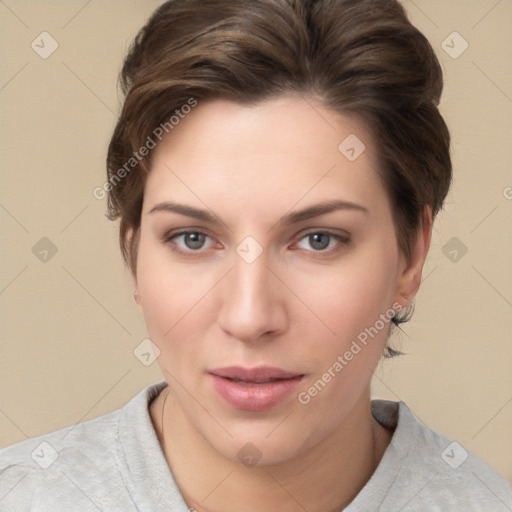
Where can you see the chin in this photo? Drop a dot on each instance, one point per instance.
(257, 446)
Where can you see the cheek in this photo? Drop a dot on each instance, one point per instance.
(354, 303)
(167, 293)
(351, 297)
(357, 308)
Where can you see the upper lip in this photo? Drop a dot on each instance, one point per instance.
(259, 374)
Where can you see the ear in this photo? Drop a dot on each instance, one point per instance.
(410, 278)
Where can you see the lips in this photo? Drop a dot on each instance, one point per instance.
(254, 375)
(254, 389)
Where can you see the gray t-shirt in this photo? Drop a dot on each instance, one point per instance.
(115, 463)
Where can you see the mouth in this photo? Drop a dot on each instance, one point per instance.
(254, 389)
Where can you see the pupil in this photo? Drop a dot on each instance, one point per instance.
(319, 241)
(194, 240)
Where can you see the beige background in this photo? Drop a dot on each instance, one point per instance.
(69, 326)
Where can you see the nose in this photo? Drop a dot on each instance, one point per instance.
(253, 307)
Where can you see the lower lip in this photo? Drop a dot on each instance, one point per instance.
(254, 397)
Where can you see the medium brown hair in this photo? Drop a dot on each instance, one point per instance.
(358, 57)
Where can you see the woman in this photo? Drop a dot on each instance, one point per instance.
(276, 169)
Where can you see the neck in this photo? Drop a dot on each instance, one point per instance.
(327, 477)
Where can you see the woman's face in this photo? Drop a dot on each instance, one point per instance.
(267, 269)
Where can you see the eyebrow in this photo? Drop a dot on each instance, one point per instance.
(290, 218)
(183, 209)
(321, 209)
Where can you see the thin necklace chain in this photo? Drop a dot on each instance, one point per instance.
(162, 422)
(163, 436)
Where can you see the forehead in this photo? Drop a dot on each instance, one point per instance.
(275, 153)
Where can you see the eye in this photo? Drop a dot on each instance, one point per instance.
(321, 241)
(189, 242)
(193, 241)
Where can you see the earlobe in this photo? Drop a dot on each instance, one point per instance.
(410, 278)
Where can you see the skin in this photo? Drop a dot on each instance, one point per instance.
(296, 307)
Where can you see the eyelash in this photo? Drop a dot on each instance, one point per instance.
(343, 241)
(170, 237)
